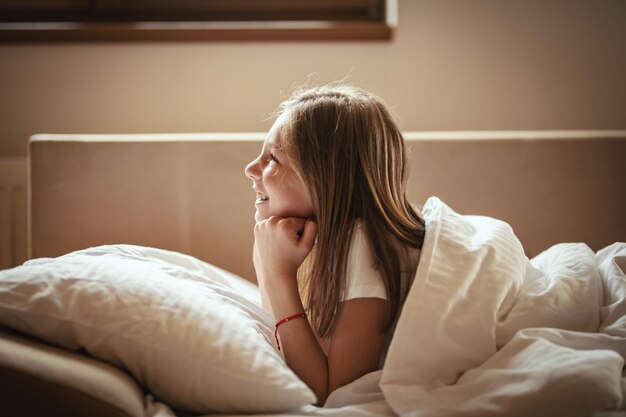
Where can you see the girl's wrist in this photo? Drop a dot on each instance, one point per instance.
(281, 284)
(279, 277)
(284, 296)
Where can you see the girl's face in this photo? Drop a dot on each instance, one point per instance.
(279, 189)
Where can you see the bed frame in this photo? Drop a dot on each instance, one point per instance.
(188, 192)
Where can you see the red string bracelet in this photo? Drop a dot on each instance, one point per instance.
(285, 320)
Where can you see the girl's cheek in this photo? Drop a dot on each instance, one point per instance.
(270, 169)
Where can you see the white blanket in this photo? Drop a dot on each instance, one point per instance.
(486, 332)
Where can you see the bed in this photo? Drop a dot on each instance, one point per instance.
(181, 202)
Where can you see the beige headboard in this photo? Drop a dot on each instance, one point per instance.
(188, 192)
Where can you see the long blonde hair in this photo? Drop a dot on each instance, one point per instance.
(353, 160)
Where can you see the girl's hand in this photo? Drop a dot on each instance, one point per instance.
(282, 244)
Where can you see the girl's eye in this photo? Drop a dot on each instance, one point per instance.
(273, 157)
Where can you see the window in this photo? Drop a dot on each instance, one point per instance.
(145, 20)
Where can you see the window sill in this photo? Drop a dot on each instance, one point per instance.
(195, 31)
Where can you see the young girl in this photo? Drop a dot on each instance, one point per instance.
(336, 241)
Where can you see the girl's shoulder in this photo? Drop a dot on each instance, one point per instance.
(360, 241)
(361, 256)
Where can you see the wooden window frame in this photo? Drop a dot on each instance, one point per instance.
(253, 29)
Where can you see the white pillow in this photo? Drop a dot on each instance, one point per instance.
(192, 334)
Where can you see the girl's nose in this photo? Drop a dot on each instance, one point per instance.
(252, 170)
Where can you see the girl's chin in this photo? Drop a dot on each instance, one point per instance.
(260, 216)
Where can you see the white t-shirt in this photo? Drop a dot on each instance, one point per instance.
(364, 281)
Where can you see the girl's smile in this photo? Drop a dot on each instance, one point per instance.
(260, 197)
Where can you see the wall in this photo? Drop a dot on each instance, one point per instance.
(453, 65)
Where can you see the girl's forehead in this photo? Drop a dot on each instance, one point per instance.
(276, 137)
(273, 139)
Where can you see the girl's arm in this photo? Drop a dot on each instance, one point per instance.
(357, 340)
(302, 351)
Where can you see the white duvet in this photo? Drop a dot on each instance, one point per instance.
(486, 332)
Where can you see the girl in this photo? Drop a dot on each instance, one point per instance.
(336, 242)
